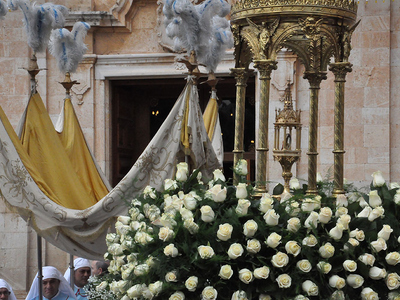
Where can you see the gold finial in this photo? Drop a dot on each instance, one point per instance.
(192, 64)
(68, 84)
(212, 81)
(33, 70)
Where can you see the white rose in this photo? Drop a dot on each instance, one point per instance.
(190, 202)
(253, 246)
(379, 245)
(241, 167)
(225, 272)
(170, 184)
(355, 280)
(146, 293)
(273, 240)
(209, 293)
(385, 232)
(149, 191)
(239, 295)
(293, 224)
(218, 175)
(367, 259)
(369, 294)
(365, 212)
(205, 252)
(337, 282)
(341, 201)
(271, 217)
(241, 191)
(246, 276)
(393, 258)
(325, 215)
(171, 277)
(235, 250)
(182, 171)
(185, 213)
(242, 207)
(102, 286)
(308, 205)
(358, 234)
(171, 250)
(374, 199)
(324, 267)
(250, 228)
(341, 211)
(207, 213)
(350, 265)
(165, 234)
(135, 291)
(353, 242)
(141, 269)
(327, 250)
(294, 183)
(312, 220)
(124, 220)
(304, 265)
(362, 202)
(397, 197)
(319, 177)
(377, 273)
(191, 283)
(394, 185)
(293, 209)
(336, 232)
(264, 297)
(293, 248)
(310, 288)
(177, 296)
(378, 179)
(191, 226)
(344, 220)
(218, 194)
(284, 281)
(266, 203)
(224, 232)
(261, 273)
(310, 241)
(280, 260)
(393, 281)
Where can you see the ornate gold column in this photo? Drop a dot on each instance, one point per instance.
(314, 78)
(340, 71)
(241, 76)
(265, 67)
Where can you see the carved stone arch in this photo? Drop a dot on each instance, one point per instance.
(332, 41)
(298, 49)
(251, 39)
(283, 34)
(126, 10)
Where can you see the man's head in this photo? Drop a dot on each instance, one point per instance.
(81, 276)
(4, 293)
(50, 287)
(99, 267)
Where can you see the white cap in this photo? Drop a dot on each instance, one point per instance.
(4, 284)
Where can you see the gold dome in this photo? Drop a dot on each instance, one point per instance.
(346, 9)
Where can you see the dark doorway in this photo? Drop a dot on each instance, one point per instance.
(139, 107)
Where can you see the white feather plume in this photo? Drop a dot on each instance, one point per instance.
(39, 20)
(202, 28)
(68, 47)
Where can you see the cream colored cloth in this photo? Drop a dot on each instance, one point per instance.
(82, 232)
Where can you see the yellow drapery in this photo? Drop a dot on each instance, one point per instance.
(185, 132)
(50, 159)
(210, 117)
(75, 145)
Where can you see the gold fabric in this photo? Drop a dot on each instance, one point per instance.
(50, 159)
(78, 152)
(210, 117)
(185, 131)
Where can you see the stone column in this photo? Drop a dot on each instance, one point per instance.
(340, 71)
(314, 78)
(241, 76)
(265, 68)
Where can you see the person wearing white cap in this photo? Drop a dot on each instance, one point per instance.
(6, 291)
(55, 287)
(82, 273)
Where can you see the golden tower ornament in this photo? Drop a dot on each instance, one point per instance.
(287, 137)
(314, 30)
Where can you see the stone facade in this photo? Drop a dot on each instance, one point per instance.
(127, 42)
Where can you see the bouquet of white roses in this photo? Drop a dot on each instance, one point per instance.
(209, 241)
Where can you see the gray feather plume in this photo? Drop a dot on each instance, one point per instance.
(3, 9)
(68, 47)
(39, 20)
(202, 28)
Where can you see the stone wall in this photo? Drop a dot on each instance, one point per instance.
(127, 42)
